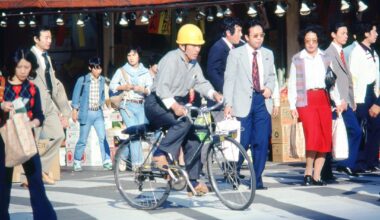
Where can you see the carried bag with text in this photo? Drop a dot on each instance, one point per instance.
(232, 126)
(18, 139)
(339, 139)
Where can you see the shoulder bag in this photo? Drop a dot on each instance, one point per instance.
(117, 97)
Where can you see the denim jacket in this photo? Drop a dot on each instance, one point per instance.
(81, 101)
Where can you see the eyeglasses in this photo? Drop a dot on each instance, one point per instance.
(262, 35)
(311, 41)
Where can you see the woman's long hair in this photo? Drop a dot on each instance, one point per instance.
(15, 58)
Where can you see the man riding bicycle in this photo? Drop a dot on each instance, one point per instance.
(178, 72)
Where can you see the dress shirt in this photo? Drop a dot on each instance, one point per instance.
(250, 51)
(228, 43)
(40, 58)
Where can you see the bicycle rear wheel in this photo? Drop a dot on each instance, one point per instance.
(235, 192)
(140, 186)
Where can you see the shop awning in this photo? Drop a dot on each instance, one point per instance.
(18, 4)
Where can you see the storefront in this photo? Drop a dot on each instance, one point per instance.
(105, 27)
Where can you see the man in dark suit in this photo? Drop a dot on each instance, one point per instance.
(217, 56)
(339, 34)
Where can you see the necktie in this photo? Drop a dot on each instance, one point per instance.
(49, 85)
(342, 58)
(255, 73)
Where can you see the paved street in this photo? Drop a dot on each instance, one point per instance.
(92, 194)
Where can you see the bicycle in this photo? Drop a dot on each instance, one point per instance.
(147, 187)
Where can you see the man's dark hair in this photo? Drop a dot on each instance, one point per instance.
(37, 31)
(252, 23)
(154, 59)
(94, 62)
(361, 29)
(335, 27)
(228, 24)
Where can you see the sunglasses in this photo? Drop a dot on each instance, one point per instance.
(262, 35)
(311, 41)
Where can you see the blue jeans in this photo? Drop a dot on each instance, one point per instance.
(133, 114)
(96, 119)
(41, 206)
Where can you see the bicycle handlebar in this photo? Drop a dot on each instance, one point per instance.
(200, 110)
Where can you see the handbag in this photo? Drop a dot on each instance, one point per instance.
(18, 139)
(230, 125)
(340, 139)
(117, 97)
(330, 78)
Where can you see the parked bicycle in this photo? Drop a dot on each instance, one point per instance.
(147, 187)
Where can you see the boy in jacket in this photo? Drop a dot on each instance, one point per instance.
(88, 99)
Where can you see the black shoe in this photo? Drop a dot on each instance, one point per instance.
(330, 179)
(318, 182)
(241, 176)
(347, 170)
(307, 180)
(375, 169)
(262, 188)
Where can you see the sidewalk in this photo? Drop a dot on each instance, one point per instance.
(92, 194)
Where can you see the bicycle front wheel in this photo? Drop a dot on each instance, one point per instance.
(140, 186)
(233, 189)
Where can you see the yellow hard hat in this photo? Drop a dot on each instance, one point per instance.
(190, 34)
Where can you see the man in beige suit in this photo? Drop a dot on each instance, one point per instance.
(54, 101)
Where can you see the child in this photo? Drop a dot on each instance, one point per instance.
(88, 99)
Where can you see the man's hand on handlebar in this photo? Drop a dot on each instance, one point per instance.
(179, 110)
(218, 97)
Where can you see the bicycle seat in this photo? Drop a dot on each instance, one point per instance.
(136, 130)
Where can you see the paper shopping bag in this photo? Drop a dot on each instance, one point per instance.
(18, 139)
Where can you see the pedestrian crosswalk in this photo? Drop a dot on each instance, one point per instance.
(92, 194)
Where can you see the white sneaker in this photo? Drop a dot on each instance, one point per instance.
(122, 165)
(77, 166)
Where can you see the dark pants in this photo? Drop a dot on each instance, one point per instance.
(256, 131)
(179, 133)
(369, 149)
(42, 208)
(354, 134)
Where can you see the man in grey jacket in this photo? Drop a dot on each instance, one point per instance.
(249, 82)
(178, 72)
(339, 35)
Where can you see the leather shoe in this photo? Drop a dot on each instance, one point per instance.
(318, 182)
(375, 169)
(160, 162)
(201, 189)
(47, 180)
(307, 180)
(241, 176)
(347, 170)
(262, 188)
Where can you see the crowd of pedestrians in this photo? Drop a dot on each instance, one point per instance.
(240, 70)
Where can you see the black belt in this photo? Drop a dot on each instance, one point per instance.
(94, 108)
(137, 101)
